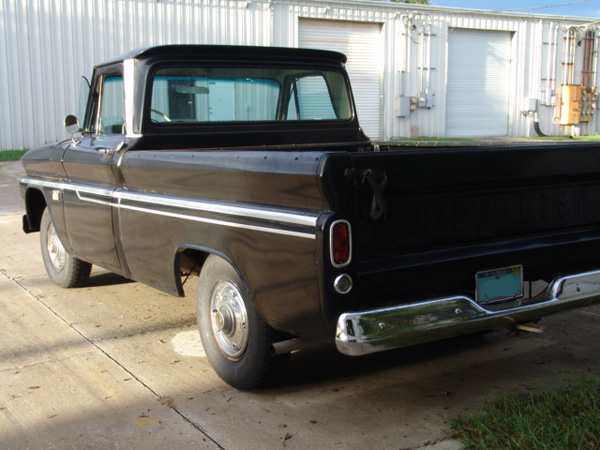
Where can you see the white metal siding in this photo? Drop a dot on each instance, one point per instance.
(361, 43)
(479, 73)
(45, 45)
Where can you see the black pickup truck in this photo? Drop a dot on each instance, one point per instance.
(247, 167)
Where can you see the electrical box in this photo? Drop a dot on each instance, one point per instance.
(531, 104)
(588, 104)
(403, 107)
(570, 104)
(425, 99)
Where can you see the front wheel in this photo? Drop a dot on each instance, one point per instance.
(63, 269)
(236, 340)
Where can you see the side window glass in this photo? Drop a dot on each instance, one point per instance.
(82, 102)
(311, 100)
(112, 107)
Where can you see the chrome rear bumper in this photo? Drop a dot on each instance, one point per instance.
(363, 332)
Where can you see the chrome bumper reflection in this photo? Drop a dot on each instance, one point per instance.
(363, 332)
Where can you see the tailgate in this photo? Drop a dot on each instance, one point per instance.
(450, 213)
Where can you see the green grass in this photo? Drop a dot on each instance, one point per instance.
(566, 418)
(420, 139)
(587, 138)
(567, 138)
(534, 138)
(11, 155)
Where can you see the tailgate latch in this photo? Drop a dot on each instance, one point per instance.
(377, 180)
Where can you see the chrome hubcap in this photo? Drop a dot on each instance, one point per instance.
(56, 251)
(229, 319)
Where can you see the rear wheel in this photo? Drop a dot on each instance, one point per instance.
(236, 340)
(63, 269)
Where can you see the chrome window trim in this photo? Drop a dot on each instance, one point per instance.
(129, 86)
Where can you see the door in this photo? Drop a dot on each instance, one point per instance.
(89, 168)
(361, 43)
(477, 96)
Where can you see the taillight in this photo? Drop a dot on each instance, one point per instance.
(340, 243)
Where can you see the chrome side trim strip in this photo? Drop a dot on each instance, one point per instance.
(308, 219)
(220, 222)
(364, 332)
(92, 200)
(67, 186)
(220, 208)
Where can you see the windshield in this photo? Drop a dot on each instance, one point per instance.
(194, 95)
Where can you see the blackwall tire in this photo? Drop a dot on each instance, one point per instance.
(63, 269)
(236, 340)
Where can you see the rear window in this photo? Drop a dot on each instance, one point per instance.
(192, 95)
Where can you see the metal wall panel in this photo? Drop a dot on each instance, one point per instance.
(45, 46)
(422, 44)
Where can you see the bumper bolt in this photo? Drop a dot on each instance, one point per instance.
(381, 325)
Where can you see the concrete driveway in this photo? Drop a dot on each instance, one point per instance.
(10, 199)
(116, 364)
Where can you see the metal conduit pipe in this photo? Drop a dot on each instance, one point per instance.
(407, 56)
(554, 60)
(536, 125)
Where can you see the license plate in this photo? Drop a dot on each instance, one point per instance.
(499, 284)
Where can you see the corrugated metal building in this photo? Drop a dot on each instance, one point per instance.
(416, 70)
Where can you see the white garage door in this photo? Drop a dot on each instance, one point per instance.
(361, 43)
(477, 96)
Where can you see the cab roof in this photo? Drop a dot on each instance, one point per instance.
(231, 52)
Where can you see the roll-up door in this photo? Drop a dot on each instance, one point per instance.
(361, 43)
(477, 97)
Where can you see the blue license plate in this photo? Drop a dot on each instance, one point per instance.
(499, 284)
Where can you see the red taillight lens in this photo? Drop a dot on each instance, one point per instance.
(341, 250)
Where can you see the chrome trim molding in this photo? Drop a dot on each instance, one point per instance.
(92, 200)
(370, 331)
(219, 222)
(67, 186)
(219, 208)
(115, 198)
(129, 88)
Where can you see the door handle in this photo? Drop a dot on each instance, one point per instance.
(106, 152)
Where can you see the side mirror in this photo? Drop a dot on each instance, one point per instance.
(73, 128)
(72, 125)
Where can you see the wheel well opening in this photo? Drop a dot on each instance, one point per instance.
(35, 203)
(189, 263)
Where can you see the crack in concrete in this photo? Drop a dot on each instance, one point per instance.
(105, 353)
